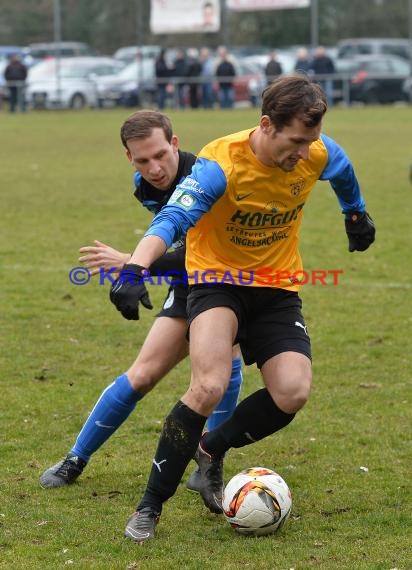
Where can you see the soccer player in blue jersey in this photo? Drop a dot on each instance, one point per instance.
(241, 208)
(153, 150)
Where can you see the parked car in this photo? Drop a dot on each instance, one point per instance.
(249, 82)
(374, 78)
(7, 51)
(128, 54)
(68, 82)
(351, 47)
(3, 89)
(407, 88)
(39, 51)
(286, 58)
(129, 87)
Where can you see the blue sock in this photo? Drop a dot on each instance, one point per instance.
(112, 408)
(228, 403)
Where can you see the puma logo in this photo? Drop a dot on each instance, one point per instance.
(159, 464)
(298, 324)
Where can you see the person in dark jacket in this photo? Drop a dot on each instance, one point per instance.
(226, 71)
(273, 68)
(162, 72)
(194, 70)
(180, 72)
(16, 74)
(322, 64)
(303, 63)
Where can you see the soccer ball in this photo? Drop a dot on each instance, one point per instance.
(257, 501)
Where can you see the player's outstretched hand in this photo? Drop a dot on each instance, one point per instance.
(129, 290)
(100, 255)
(360, 230)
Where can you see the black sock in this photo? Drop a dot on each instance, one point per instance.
(177, 445)
(256, 417)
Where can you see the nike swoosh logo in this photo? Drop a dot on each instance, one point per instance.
(240, 197)
(102, 425)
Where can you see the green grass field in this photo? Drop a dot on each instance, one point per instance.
(64, 182)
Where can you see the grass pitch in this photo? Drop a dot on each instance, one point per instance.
(346, 457)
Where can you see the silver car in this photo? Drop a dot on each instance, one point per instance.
(68, 83)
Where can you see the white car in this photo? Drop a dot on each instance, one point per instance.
(68, 82)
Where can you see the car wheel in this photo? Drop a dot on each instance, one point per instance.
(78, 101)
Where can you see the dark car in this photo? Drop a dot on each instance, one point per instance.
(130, 87)
(351, 47)
(373, 78)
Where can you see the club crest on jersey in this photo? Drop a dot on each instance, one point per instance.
(297, 187)
(274, 206)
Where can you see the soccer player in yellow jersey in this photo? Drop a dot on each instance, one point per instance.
(241, 208)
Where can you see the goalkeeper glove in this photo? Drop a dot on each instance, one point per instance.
(129, 290)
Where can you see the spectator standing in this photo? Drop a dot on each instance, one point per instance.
(303, 63)
(16, 74)
(194, 69)
(273, 68)
(226, 71)
(180, 72)
(163, 73)
(207, 73)
(322, 64)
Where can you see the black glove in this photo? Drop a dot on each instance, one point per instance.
(128, 290)
(360, 230)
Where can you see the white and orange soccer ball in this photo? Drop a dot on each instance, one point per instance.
(257, 501)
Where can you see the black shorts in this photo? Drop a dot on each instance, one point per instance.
(270, 321)
(174, 305)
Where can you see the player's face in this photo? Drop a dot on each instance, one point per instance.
(285, 148)
(155, 158)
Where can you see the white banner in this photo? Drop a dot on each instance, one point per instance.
(184, 16)
(252, 5)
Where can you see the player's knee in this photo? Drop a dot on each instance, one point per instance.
(294, 398)
(143, 378)
(203, 397)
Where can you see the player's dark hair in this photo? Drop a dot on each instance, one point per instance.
(141, 124)
(294, 96)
